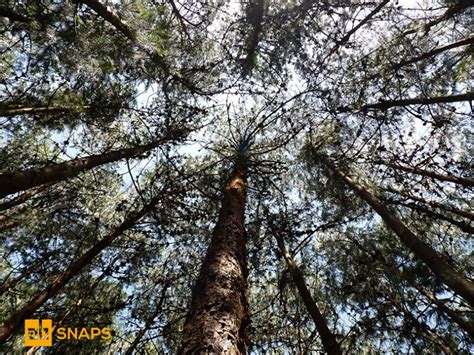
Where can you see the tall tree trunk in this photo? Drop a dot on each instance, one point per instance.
(150, 321)
(385, 105)
(327, 337)
(22, 180)
(218, 313)
(418, 171)
(444, 272)
(72, 270)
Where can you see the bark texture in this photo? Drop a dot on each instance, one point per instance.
(16, 320)
(328, 339)
(218, 313)
(443, 271)
(22, 180)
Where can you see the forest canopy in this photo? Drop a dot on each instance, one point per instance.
(231, 177)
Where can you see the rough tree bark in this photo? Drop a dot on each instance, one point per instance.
(328, 339)
(16, 320)
(22, 180)
(218, 313)
(443, 271)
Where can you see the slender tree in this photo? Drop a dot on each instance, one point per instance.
(106, 77)
(327, 336)
(445, 273)
(55, 286)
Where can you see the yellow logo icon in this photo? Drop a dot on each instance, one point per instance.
(38, 332)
